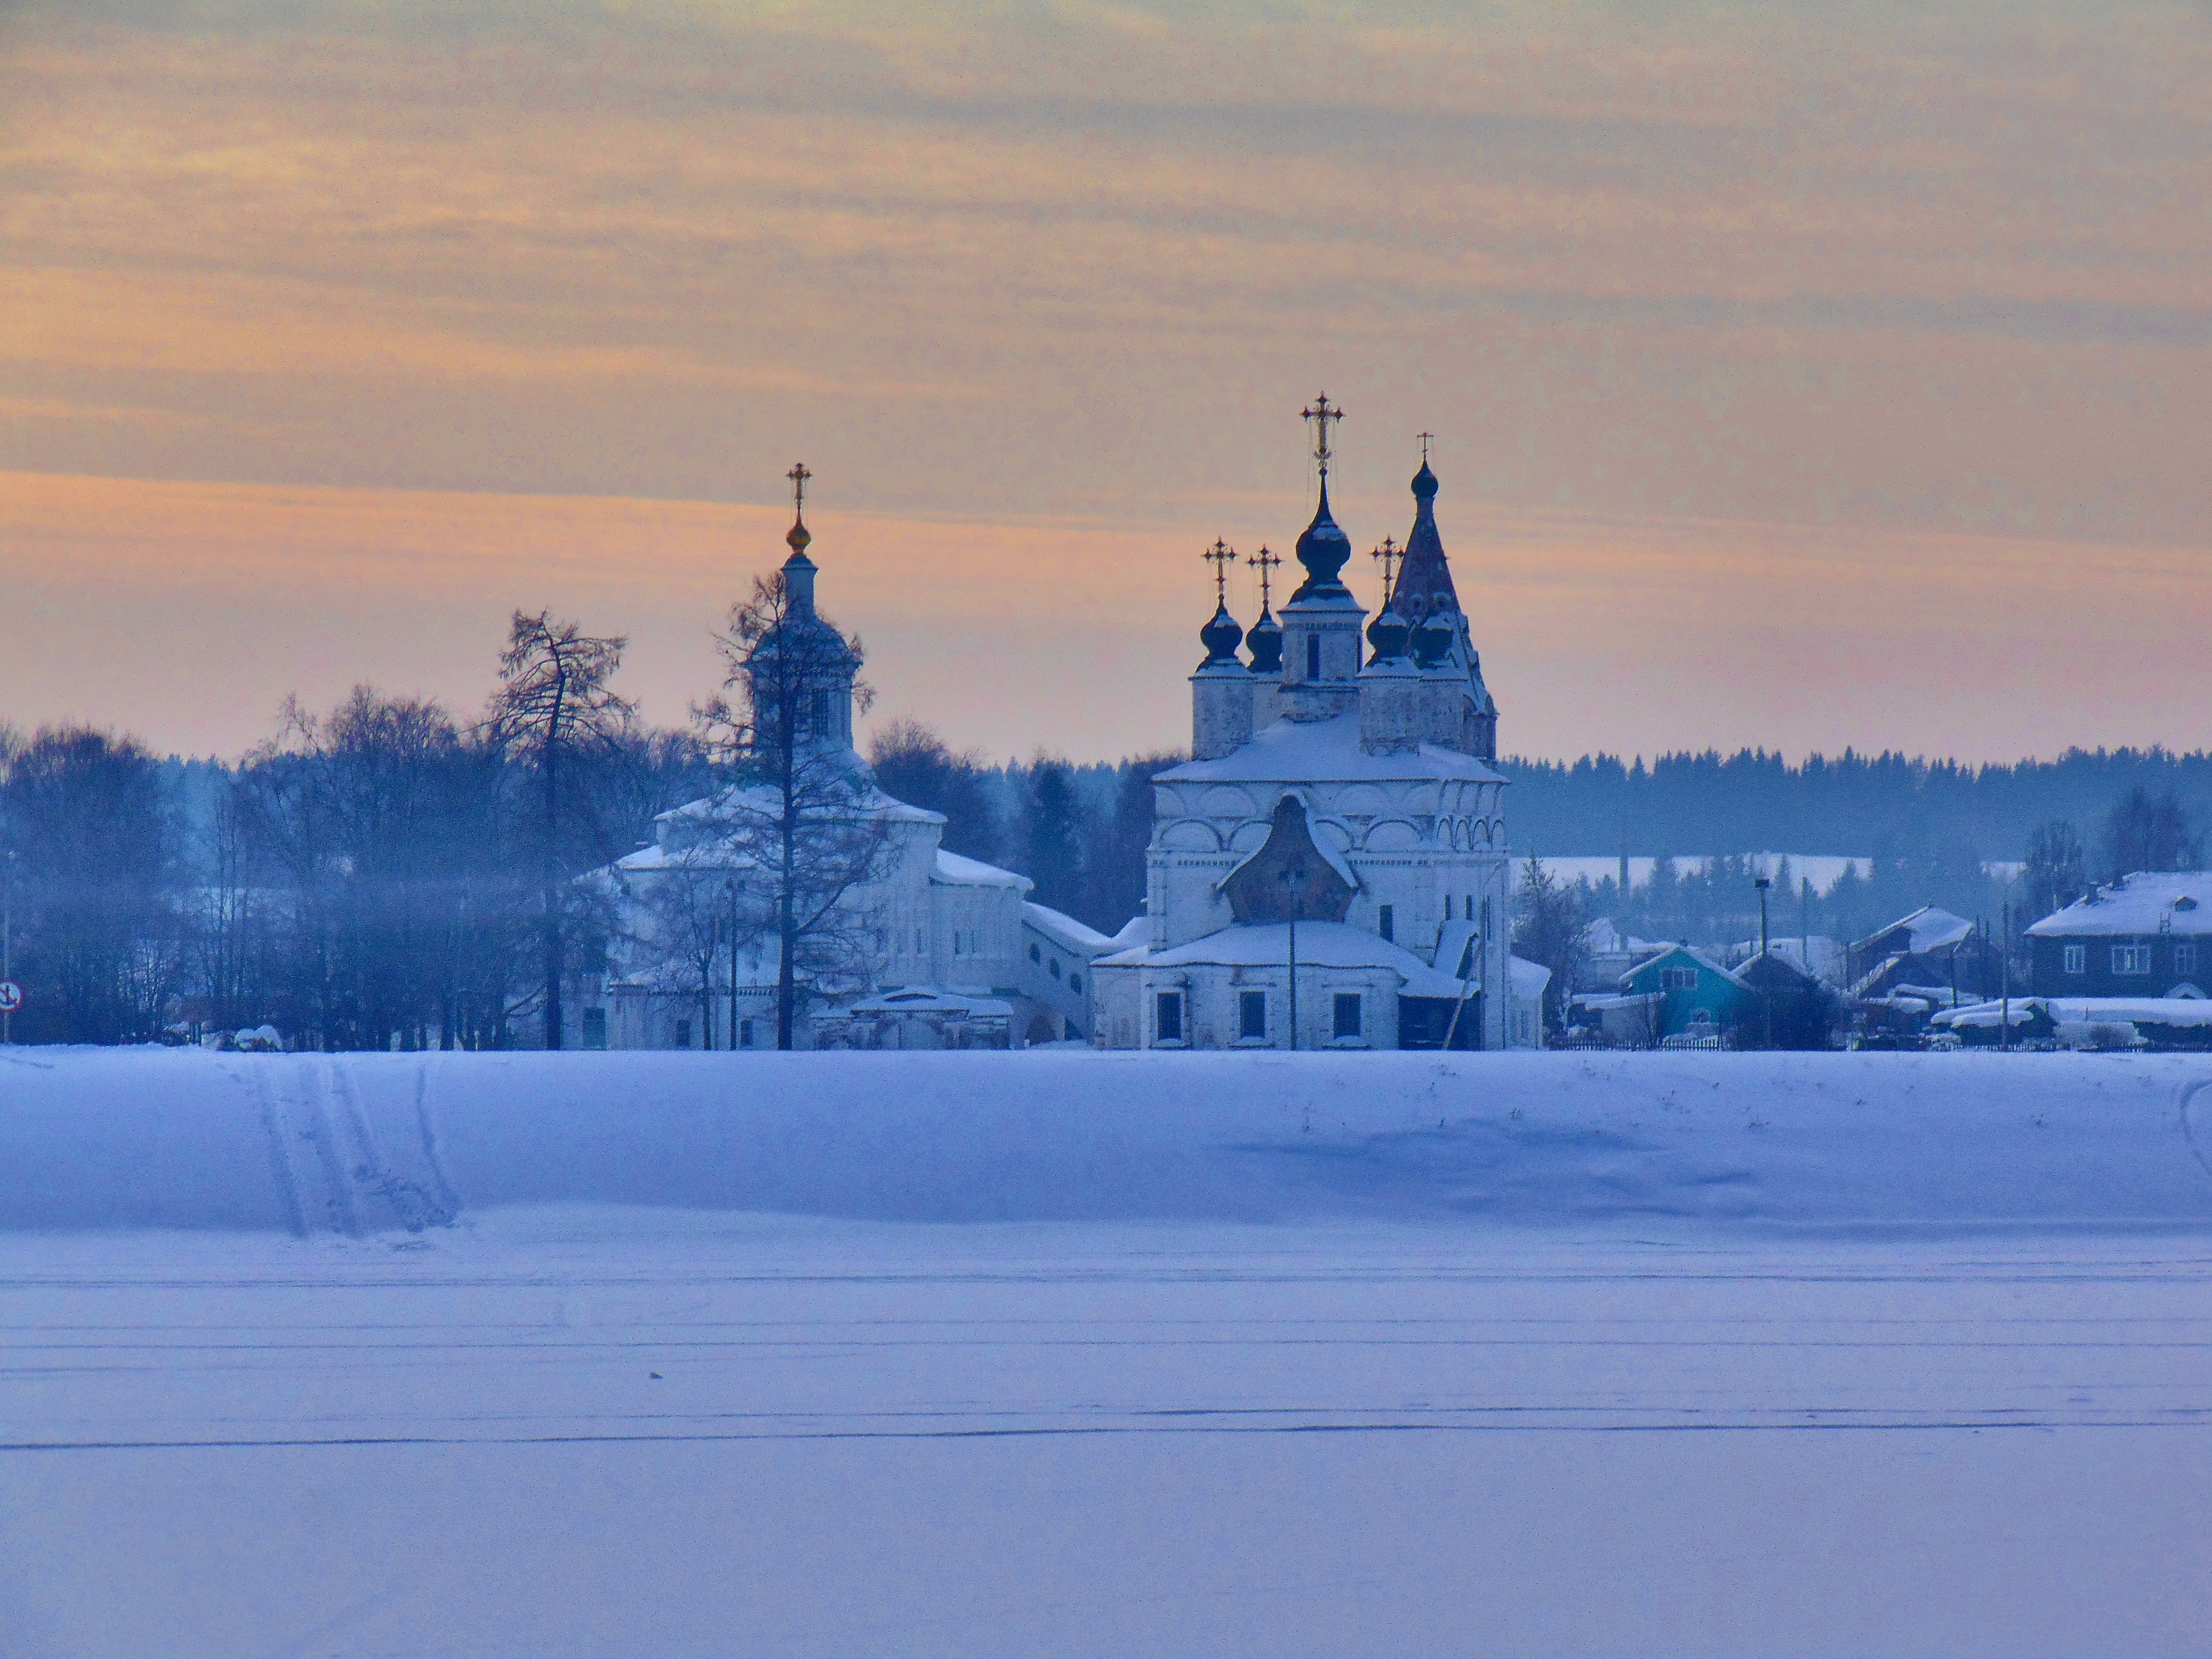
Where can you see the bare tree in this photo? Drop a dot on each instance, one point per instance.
(2146, 832)
(802, 814)
(553, 714)
(1550, 930)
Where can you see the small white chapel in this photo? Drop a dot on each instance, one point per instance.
(1329, 869)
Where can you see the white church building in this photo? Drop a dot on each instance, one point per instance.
(952, 954)
(1329, 869)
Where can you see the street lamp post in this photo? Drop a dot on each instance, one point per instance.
(1295, 880)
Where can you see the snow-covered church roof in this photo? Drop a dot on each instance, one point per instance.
(1327, 751)
(1321, 944)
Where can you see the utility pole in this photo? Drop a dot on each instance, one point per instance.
(7, 938)
(2004, 966)
(1765, 991)
(1295, 880)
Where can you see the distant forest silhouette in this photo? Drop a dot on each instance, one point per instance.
(1885, 805)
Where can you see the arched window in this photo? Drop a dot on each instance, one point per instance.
(1313, 656)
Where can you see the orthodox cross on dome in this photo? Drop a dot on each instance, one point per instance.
(1321, 413)
(1264, 562)
(797, 537)
(1389, 555)
(1425, 436)
(1220, 556)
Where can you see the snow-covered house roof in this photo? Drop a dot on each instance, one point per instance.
(954, 871)
(2179, 903)
(1327, 751)
(1321, 944)
(1078, 939)
(1602, 937)
(928, 999)
(1529, 979)
(1667, 951)
(1926, 929)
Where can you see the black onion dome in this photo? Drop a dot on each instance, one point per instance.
(1387, 633)
(1432, 639)
(1265, 642)
(1425, 483)
(1221, 636)
(1324, 549)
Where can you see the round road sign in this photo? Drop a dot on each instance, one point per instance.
(11, 996)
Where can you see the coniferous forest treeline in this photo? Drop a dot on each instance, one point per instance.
(1885, 805)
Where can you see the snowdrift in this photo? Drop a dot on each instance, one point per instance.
(355, 1144)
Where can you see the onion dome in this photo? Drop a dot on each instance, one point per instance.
(1265, 642)
(1387, 633)
(799, 538)
(1425, 484)
(1221, 636)
(1432, 639)
(1324, 549)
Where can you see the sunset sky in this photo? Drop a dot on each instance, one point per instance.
(1802, 375)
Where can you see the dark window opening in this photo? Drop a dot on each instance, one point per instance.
(1386, 923)
(1167, 1023)
(1251, 1014)
(1054, 966)
(1347, 1013)
(1313, 656)
(1035, 955)
(595, 1027)
(744, 1034)
(1075, 982)
(683, 1034)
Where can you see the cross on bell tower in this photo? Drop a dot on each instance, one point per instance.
(1387, 556)
(1265, 564)
(1220, 556)
(1321, 413)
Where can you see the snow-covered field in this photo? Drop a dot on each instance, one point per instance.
(1063, 1353)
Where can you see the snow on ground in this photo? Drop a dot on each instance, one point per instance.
(1705, 1355)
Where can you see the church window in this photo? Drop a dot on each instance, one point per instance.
(821, 714)
(1035, 955)
(1448, 904)
(918, 947)
(1313, 656)
(595, 1027)
(1054, 966)
(744, 1034)
(1075, 982)
(1347, 1013)
(683, 1034)
(1386, 922)
(1167, 1020)
(1251, 1016)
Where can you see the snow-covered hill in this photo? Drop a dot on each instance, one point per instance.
(358, 1145)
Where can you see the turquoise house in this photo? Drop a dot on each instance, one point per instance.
(1698, 997)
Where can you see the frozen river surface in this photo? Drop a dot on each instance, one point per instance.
(593, 1431)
